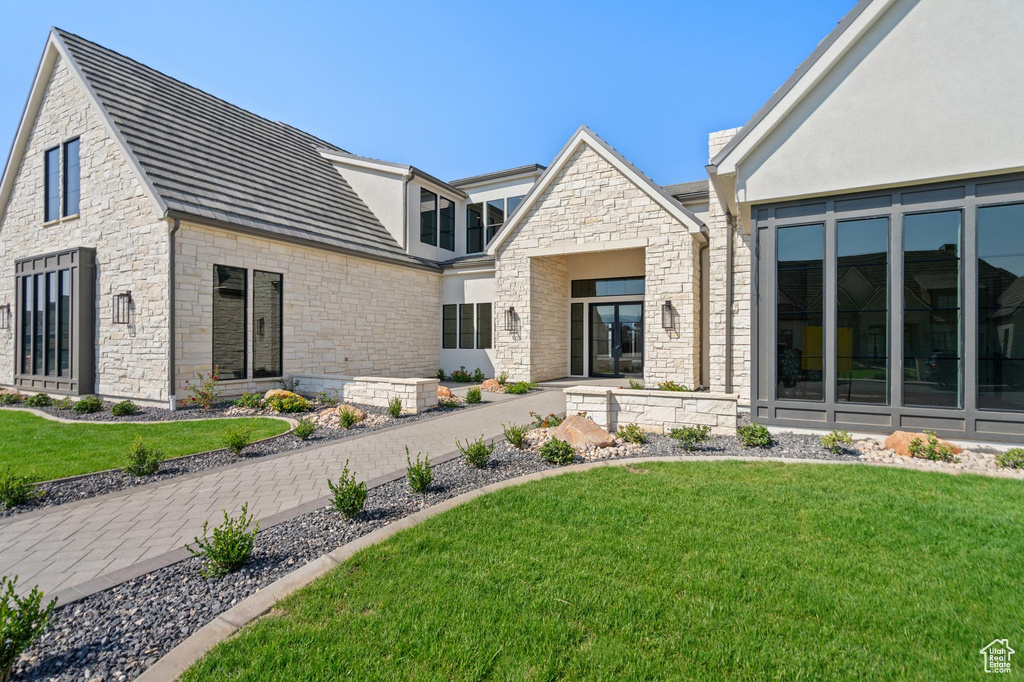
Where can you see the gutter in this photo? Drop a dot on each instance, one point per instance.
(170, 316)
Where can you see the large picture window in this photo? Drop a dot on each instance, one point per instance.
(800, 313)
(1001, 307)
(428, 217)
(267, 324)
(229, 308)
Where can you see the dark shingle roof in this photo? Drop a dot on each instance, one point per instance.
(683, 191)
(212, 160)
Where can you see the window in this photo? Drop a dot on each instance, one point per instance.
(449, 326)
(576, 346)
(474, 228)
(466, 325)
(801, 313)
(862, 311)
(513, 204)
(484, 325)
(1001, 308)
(447, 226)
(52, 192)
(428, 217)
(622, 286)
(495, 217)
(931, 309)
(267, 311)
(229, 308)
(72, 180)
(45, 315)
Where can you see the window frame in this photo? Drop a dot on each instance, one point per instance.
(428, 233)
(480, 230)
(445, 226)
(452, 342)
(66, 211)
(484, 313)
(280, 330)
(244, 325)
(52, 201)
(467, 337)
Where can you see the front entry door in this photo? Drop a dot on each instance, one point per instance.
(616, 339)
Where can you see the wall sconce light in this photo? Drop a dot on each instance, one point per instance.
(123, 308)
(666, 315)
(510, 319)
(5, 316)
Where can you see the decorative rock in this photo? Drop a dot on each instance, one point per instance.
(274, 392)
(329, 412)
(581, 432)
(360, 415)
(493, 386)
(8, 391)
(444, 392)
(899, 442)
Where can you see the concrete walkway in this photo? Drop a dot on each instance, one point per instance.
(81, 547)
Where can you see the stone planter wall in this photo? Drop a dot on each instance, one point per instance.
(417, 395)
(657, 411)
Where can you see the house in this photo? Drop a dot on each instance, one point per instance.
(850, 261)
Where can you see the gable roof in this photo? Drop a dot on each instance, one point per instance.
(585, 136)
(213, 162)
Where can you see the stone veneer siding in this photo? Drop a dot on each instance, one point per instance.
(417, 395)
(592, 202)
(343, 315)
(659, 411)
(118, 218)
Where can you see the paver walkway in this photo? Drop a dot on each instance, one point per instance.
(68, 545)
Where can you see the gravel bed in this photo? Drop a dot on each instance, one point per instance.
(145, 414)
(91, 485)
(116, 634)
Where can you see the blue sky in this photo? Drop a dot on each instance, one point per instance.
(456, 88)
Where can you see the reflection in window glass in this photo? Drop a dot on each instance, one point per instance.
(447, 224)
(576, 340)
(931, 309)
(51, 322)
(65, 323)
(484, 325)
(449, 326)
(1001, 307)
(267, 291)
(51, 198)
(513, 204)
(428, 217)
(622, 286)
(474, 228)
(26, 324)
(466, 332)
(800, 276)
(72, 179)
(229, 291)
(862, 295)
(495, 217)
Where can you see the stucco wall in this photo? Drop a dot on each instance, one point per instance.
(342, 315)
(118, 219)
(469, 288)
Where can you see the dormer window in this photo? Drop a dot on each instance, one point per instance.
(437, 216)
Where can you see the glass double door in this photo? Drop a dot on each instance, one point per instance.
(616, 339)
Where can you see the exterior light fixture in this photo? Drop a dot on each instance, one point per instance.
(666, 315)
(510, 319)
(123, 308)
(5, 316)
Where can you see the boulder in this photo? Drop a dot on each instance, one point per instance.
(492, 385)
(581, 432)
(899, 442)
(444, 392)
(360, 415)
(328, 412)
(279, 392)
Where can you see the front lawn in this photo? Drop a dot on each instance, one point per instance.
(32, 445)
(668, 571)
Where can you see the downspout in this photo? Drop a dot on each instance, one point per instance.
(170, 316)
(705, 314)
(728, 301)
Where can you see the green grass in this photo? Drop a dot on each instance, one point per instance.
(31, 445)
(721, 570)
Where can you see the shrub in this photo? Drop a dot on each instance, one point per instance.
(515, 434)
(252, 401)
(15, 489)
(478, 376)
(39, 400)
(631, 433)
(476, 453)
(231, 545)
(142, 460)
(88, 405)
(419, 474)
(237, 437)
(440, 374)
(286, 404)
(548, 422)
(347, 416)
(503, 378)
(125, 408)
(461, 375)
(395, 407)
(10, 398)
(22, 620)
(1011, 459)
(520, 387)
(689, 437)
(558, 452)
(348, 496)
(330, 399)
(65, 403)
(672, 386)
(305, 428)
(754, 436)
(204, 393)
(474, 396)
(636, 384)
(835, 440)
(930, 448)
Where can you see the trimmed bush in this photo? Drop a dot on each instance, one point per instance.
(754, 436)
(478, 376)
(558, 452)
(440, 374)
(286, 404)
(230, 547)
(418, 473)
(689, 437)
(305, 428)
(237, 437)
(476, 453)
(10, 398)
(520, 387)
(474, 396)
(88, 405)
(395, 407)
(515, 434)
(251, 401)
(835, 440)
(461, 375)
(631, 433)
(22, 620)
(65, 403)
(1011, 459)
(347, 417)
(142, 460)
(347, 496)
(16, 489)
(930, 448)
(39, 400)
(125, 408)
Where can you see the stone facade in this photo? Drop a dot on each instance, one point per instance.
(591, 201)
(658, 411)
(417, 395)
(118, 218)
